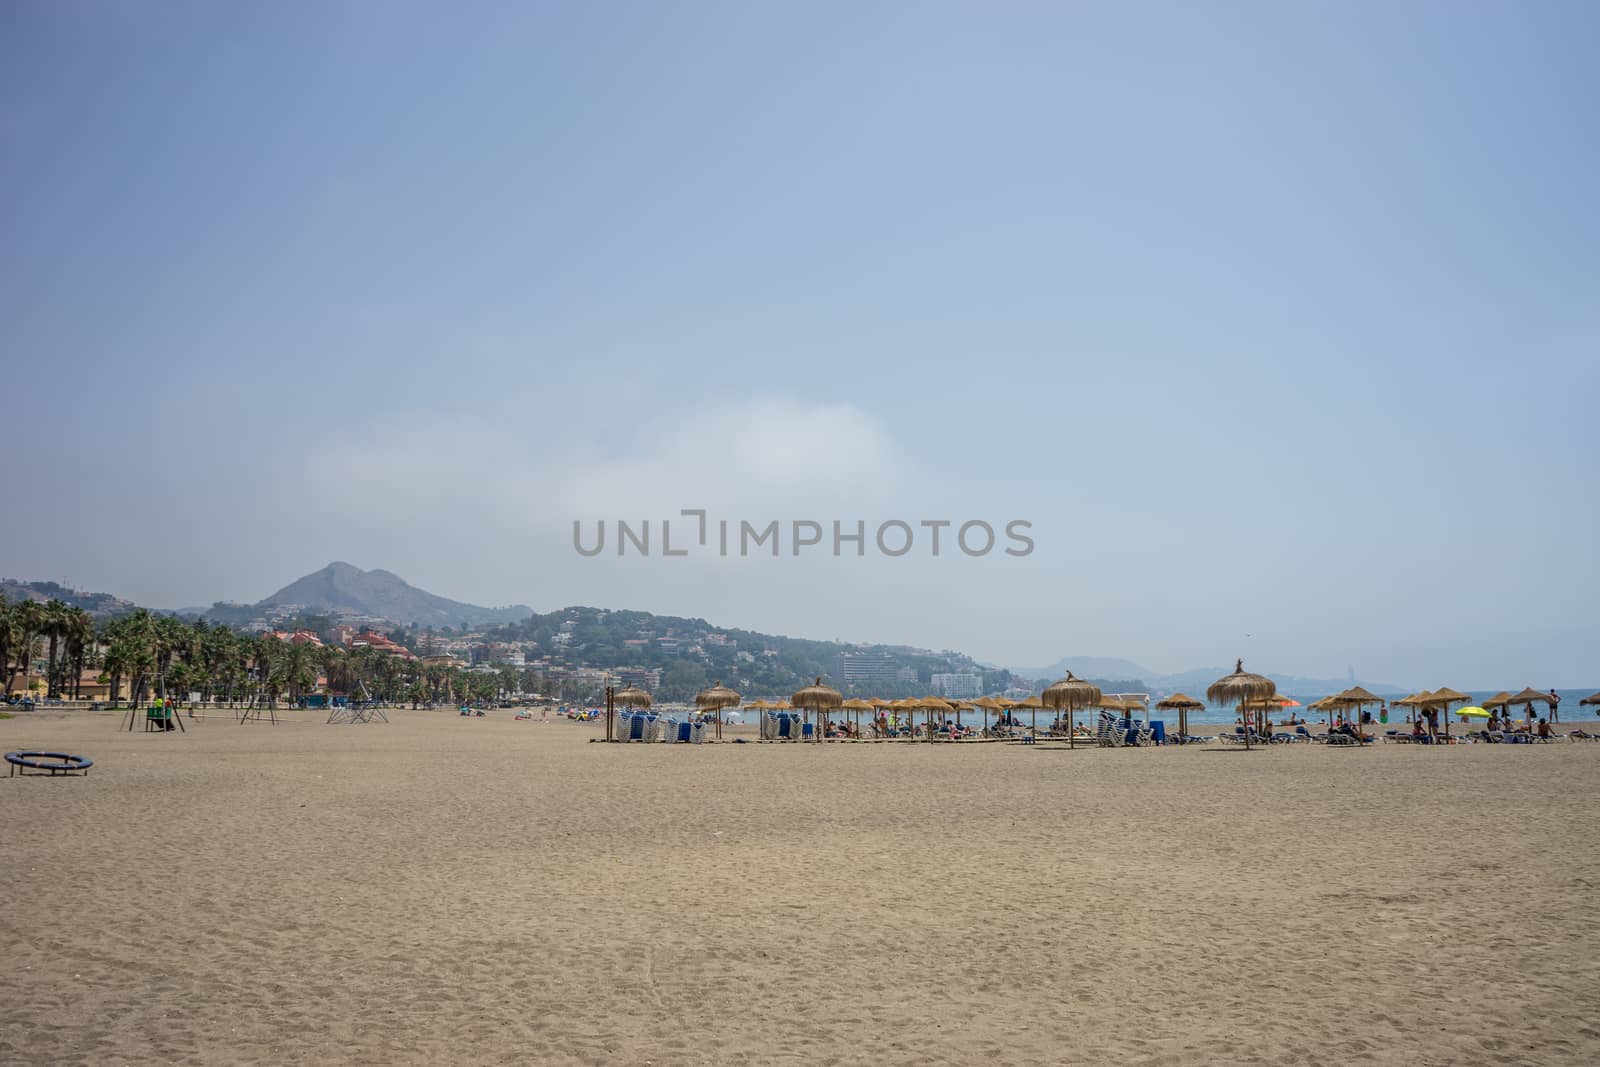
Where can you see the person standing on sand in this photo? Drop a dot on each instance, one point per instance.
(1555, 705)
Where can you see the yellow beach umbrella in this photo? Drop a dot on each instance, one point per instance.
(1473, 713)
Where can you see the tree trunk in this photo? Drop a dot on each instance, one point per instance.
(50, 669)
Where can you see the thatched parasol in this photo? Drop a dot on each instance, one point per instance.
(1240, 688)
(1442, 698)
(1594, 699)
(857, 706)
(1355, 697)
(1528, 697)
(930, 705)
(714, 700)
(1069, 695)
(818, 698)
(988, 704)
(1499, 700)
(632, 697)
(1183, 705)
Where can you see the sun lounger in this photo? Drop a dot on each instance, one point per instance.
(1109, 734)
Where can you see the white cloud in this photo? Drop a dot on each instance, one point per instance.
(767, 456)
(770, 454)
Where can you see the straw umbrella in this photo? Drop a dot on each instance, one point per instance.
(879, 704)
(1442, 698)
(1588, 700)
(763, 707)
(818, 698)
(857, 706)
(1241, 687)
(1355, 697)
(1183, 705)
(988, 704)
(931, 705)
(1415, 701)
(1069, 695)
(631, 697)
(1033, 704)
(1529, 697)
(714, 700)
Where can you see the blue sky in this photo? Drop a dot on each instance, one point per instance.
(1275, 320)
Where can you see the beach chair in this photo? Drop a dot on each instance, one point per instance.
(1110, 733)
(1344, 739)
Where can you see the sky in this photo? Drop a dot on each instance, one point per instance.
(1278, 323)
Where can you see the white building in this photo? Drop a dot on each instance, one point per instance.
(958, 686)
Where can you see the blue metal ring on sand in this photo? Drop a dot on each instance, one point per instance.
(34, 761)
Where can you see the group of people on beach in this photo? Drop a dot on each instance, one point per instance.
(885, 725)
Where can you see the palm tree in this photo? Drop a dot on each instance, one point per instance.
(131, 652)
(171, 638)
(31, 618)
(341, 671)
(299, 671)
(10, 638)
(53, 619)
(78, 629)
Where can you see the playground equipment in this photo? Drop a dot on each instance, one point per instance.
(252, 713)
(156, 717)
(354, 713)
(51, 763)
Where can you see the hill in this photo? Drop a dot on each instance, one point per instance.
(675, 657)
(100, 605)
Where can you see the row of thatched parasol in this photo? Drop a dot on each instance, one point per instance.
(1070, 694)
(1253, 693)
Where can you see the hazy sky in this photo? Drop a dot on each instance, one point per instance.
(1279, 320)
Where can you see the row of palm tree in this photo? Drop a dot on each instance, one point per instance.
(66, 633)
(161, 655)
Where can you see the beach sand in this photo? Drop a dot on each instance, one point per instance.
(452, 890)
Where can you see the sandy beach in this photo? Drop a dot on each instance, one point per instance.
(452, 890)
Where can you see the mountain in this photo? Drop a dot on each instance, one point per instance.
(340, 588)
(1088, 667)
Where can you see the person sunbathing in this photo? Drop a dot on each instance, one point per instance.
(1544, 730)
(1350, 731)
